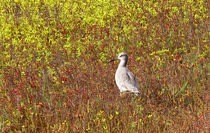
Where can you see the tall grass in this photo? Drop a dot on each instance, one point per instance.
(55, 77)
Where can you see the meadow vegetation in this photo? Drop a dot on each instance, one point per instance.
(54, 75)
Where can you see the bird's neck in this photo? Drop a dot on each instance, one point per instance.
(123, 63)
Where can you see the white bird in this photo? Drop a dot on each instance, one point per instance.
(125, 79)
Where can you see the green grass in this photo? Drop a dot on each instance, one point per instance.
(54, 75)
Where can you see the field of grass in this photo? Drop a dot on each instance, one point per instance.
(54, 75)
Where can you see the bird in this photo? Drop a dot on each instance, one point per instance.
(124, 78)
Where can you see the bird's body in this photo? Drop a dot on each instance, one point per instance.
(125, 79)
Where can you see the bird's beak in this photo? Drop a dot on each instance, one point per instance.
(113, 60)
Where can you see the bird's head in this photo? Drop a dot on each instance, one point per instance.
(122, 56)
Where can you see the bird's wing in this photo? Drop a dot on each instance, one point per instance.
(130, 82)
(132, 79)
